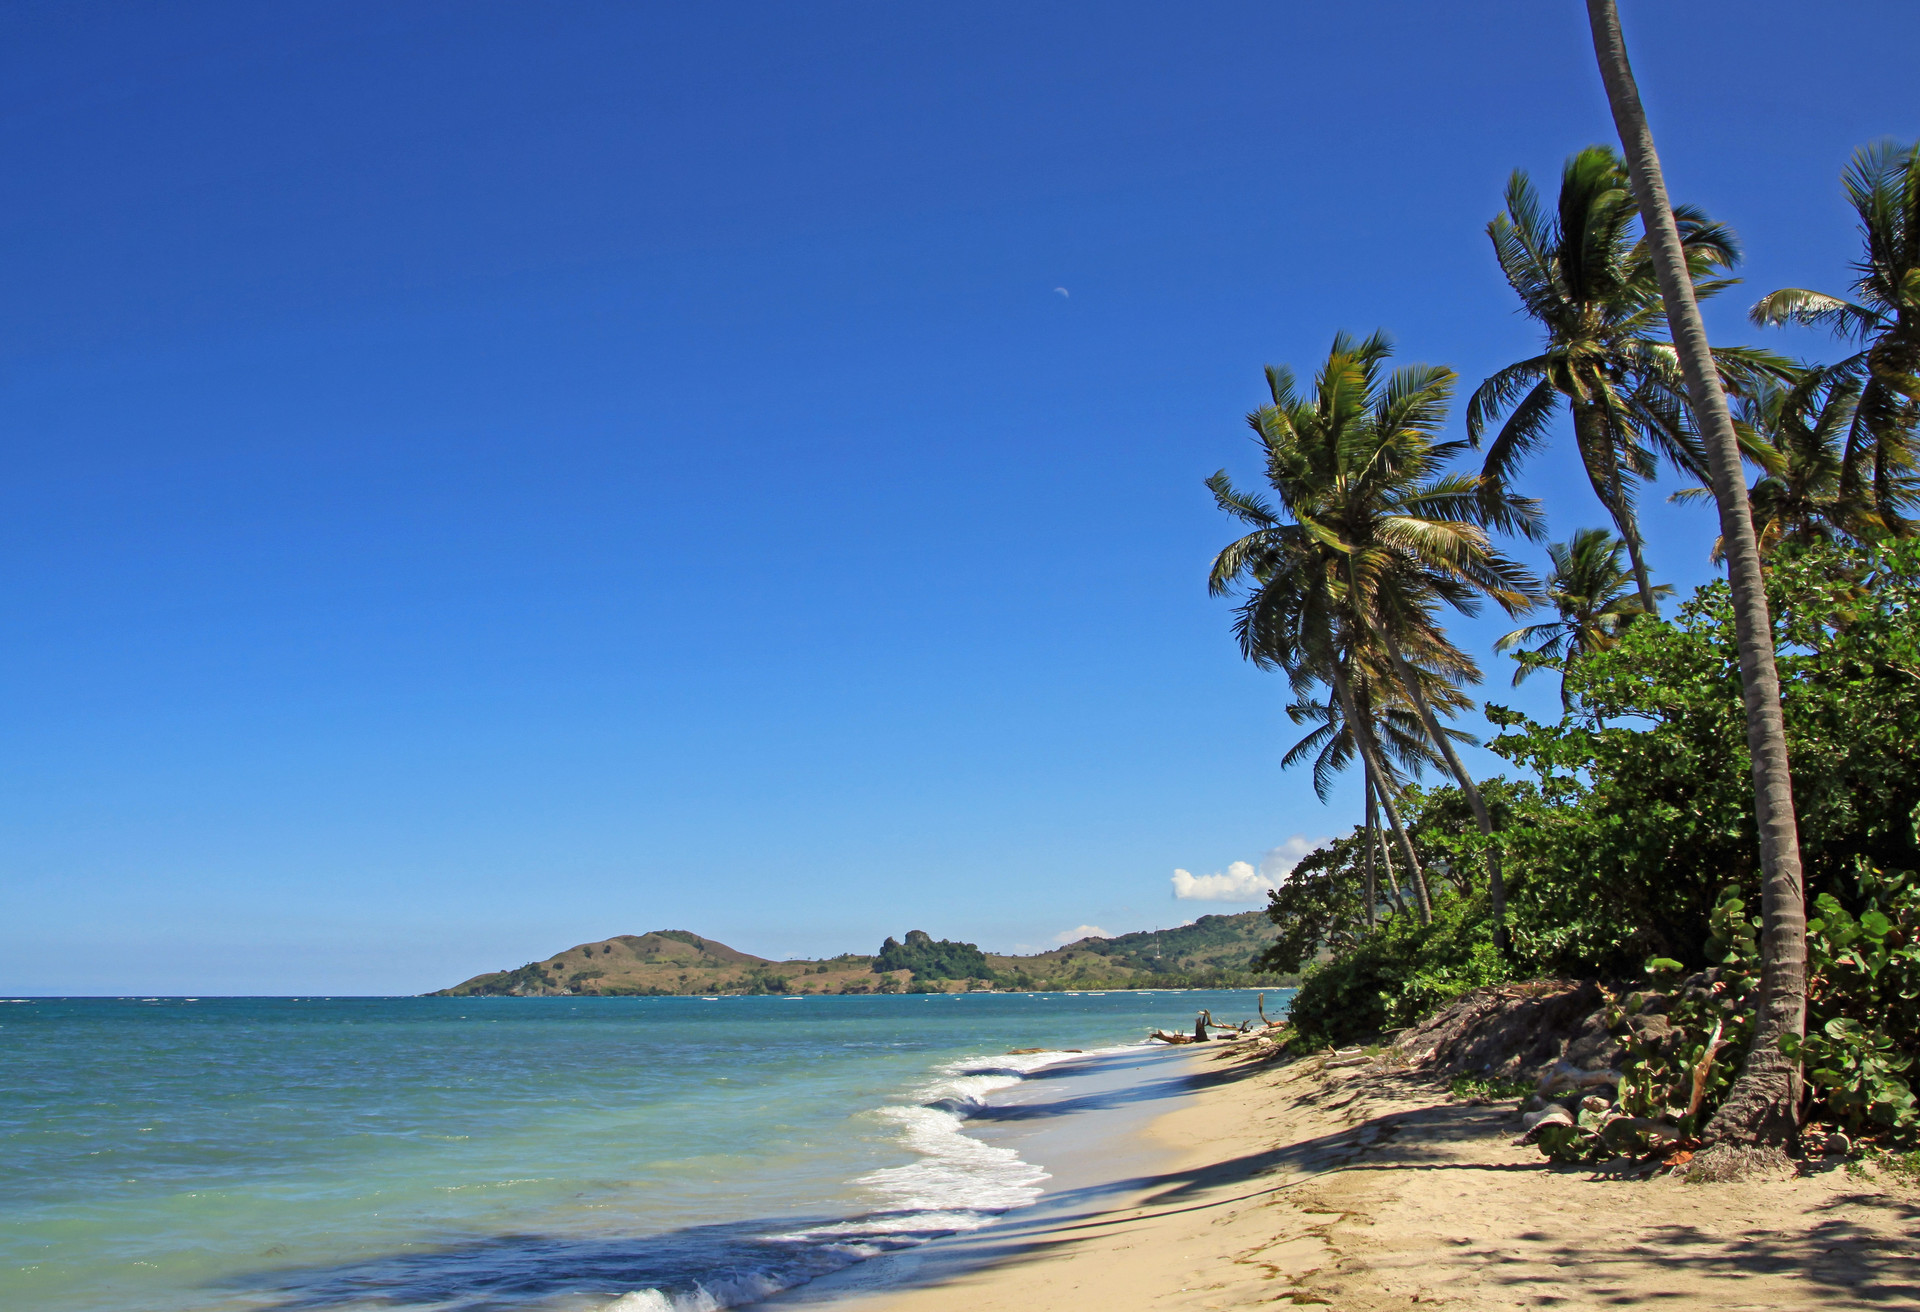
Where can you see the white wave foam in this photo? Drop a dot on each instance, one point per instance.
(709, 1297)
(956, 1184)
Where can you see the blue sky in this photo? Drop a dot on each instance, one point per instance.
(482, 477)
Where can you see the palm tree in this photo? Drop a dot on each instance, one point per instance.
(1291, 619)
(1589, 586)
(1376, 540)
(1802, 437)
(1332, 746)
(1883, 184)
(1587, 278)
(1764, 1103)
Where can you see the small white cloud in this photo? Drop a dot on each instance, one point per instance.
(1243, 882)
(1276, 863)
(1063, 291)
(1079, 932)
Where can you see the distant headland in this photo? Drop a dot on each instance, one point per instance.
(1212, 952)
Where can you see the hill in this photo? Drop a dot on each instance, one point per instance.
(668, 962)
(1214, 951)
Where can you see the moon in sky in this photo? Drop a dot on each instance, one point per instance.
(1063, 291)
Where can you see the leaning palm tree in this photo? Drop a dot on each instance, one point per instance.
(1589, 586)
(1802, 437)
(1883, 184)
(1330, 744)
(1370, 539)
(1402, 737)
(1585, 275)
(1763, 1105)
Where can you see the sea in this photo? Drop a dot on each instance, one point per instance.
(541, 1154)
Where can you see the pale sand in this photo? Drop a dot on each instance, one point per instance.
(1353, 1189)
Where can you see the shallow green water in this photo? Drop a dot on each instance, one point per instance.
(641, 1153)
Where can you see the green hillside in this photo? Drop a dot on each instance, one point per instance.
(1214, 951)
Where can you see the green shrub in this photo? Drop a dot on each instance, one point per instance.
(1399, 974)
(1863, 1005)
(1642, 805)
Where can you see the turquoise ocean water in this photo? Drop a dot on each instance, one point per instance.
(634, 1154)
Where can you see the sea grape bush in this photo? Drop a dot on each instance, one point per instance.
(1863, 1001)
(1643, 809)
(1863, 1005)
(1682, 1075)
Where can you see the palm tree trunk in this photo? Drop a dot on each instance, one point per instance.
(1764, 1104)
(1590, 431)
(1394, 893)
(1496, 887)
(1373, 895)
(1423, 900)
(1386, 858)
(1370, 755)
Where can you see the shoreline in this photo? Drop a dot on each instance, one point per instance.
(1372, 1189)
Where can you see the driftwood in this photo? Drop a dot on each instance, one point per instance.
(1538, 1121)
(1701, 1072)
(1561, 1073)
(1201, 1024)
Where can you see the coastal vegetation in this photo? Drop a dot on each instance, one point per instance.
(1212, 952)
(1722, 827)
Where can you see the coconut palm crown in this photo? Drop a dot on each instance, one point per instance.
(1330, 744)
(1369, 530)
(1879, 457)
(1803, 437)
(1593, 590)
(1586, 277)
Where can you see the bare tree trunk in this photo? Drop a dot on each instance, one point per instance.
(1393, 876)
(1596, 443)
(1763, 1106)
(1386, 856)
(1496, 887)
(1422, 899)
(1373, 896)
(1369, 747)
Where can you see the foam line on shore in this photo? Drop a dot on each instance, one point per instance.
(955, 1184)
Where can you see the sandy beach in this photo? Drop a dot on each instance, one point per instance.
(1358, 1188)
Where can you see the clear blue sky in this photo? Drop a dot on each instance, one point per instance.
(481, 477)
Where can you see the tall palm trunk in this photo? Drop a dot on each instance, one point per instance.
(1376, 838)
(1394, 894)
(1373, 895)
(1764, 1103)
(1496, 886)
(1370, 756)
(1592, 436)
(1422, 899)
